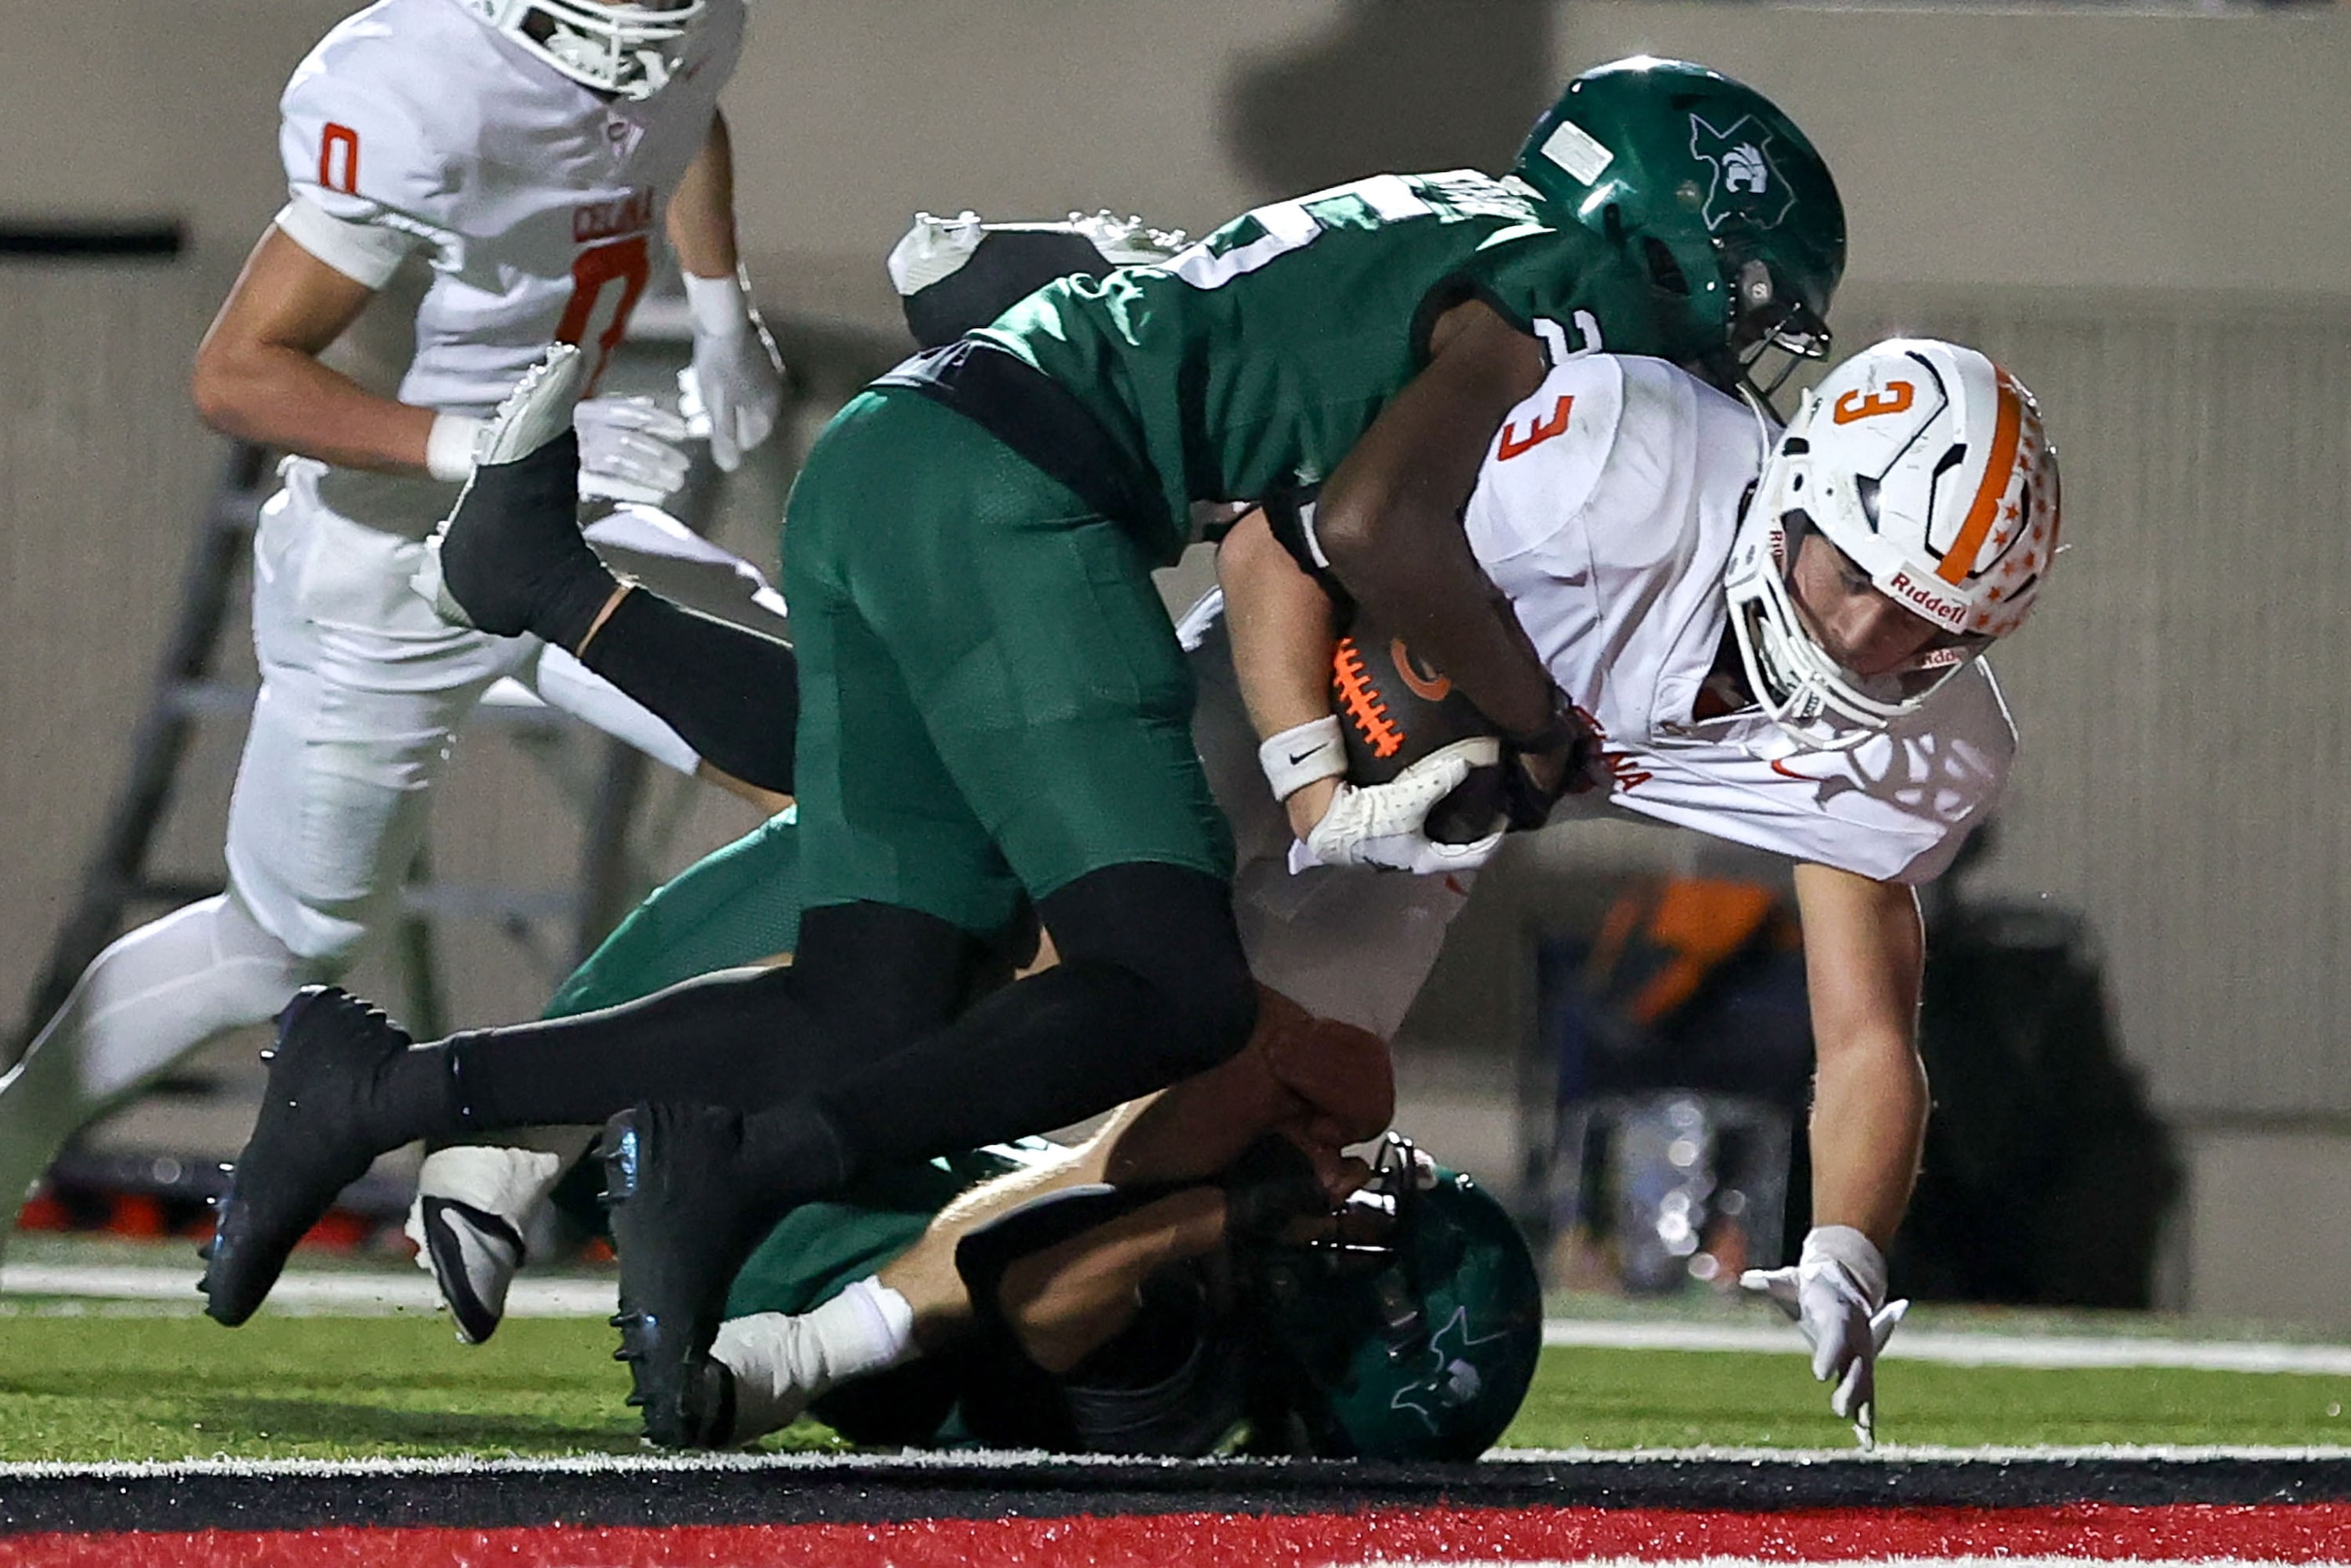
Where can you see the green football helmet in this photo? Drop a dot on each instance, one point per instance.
(1409, 1330)
(1712, 193)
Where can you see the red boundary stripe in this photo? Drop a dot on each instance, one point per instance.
(2273, 1533)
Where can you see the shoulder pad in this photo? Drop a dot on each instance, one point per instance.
(355, 137)
(1547, 458)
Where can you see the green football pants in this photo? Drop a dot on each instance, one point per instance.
(992, 697)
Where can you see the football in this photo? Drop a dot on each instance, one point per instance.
(1396, 708)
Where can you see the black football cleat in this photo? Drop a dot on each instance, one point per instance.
(509, 557)
(683, 1223)
(312, 1139)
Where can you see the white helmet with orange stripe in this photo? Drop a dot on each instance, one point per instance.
(1928, 468)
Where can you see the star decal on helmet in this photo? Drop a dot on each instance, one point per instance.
(1745, 180)
(1452, 1379)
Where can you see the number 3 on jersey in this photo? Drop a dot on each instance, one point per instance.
(605, 282)
(1515, 444)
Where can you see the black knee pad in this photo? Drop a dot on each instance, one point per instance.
(1172, 927)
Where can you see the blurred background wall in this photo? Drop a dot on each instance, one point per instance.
(2141, 213)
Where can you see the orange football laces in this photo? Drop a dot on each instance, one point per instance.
(1363, 702)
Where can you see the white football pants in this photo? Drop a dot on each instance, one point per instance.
(1342, 942)
(363, 689)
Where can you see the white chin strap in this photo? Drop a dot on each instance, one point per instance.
(1808, 694)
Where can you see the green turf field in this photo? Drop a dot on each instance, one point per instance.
(1616, 1398)
(111, 1385)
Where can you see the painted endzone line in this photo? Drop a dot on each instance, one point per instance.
(1401, 1538)
(913, 1466)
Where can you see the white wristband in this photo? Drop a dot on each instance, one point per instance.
(1303, 754)
(449, 449)
(720, 306)
(1856, 1254)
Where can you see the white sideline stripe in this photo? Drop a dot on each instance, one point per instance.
(914, 1464)
(359, 1293)
(1971, 1349)
(558, 1298)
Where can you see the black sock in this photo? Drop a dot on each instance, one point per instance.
(733, 692)
(869, 979)
(1151, 987)
(420, 1097)
(790, 1152)
(730, 1040)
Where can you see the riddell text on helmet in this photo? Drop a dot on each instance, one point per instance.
(1944, 611)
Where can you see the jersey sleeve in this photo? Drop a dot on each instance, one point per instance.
(367, 183)
(1896, 808)
(1979, 739)
(1545, 465)
(1565, 287)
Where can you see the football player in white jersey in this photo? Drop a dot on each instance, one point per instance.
(1771, 640)
(518, 158)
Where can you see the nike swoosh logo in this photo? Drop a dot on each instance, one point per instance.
(1298, 757)
(1782, 769)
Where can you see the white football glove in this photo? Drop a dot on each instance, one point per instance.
(629, 451)
(1385, 825)
(1832, 1294)
(736, 383)
(473, 1203)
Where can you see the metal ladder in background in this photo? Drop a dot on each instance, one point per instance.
(625, 819)
(117, 878)
(831, 361)
(120, 880)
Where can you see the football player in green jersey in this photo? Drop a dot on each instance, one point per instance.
(1045, 1310)
(1078, 1298)
(993, 702)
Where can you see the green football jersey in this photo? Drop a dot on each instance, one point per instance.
(1253, 361)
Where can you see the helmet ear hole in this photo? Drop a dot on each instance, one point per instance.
(1665, 272)
(1865, 488)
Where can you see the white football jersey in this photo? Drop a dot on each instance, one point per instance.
(1605, 512)
(413, 127)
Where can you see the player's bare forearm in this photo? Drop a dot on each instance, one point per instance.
(925, 1273)
(257, 375)
(1865, 950)
(701, 222)
(768, 801)
(1069, 1300)
(1390, 517)
(1322, 1084)
(1326, 1083)
(1283, 631)
(1281, 626)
